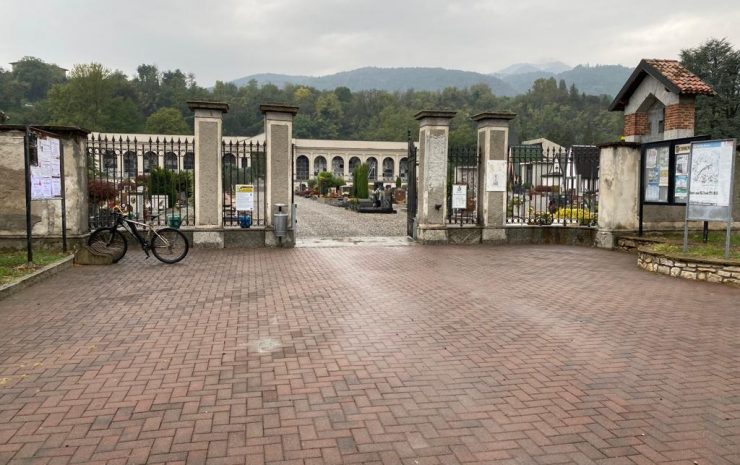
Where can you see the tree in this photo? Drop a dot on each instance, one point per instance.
(96, 99)
(718, 64)
(359, 182)
(36, 77)
(167, 121)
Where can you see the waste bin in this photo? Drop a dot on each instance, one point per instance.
(280, 221)
(245, 220)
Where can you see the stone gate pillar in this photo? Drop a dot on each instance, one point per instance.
(619, 192)
(279, 139)
(434, 131)
(208, 230)
(493, 143)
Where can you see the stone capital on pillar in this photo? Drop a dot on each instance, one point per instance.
(493, 119)
(279, 162)
(434, 118)
(493, 144)
(434, 132)
(208, 129)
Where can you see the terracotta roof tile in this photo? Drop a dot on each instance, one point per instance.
(685, 80)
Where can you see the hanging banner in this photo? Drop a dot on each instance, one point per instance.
(244, 197)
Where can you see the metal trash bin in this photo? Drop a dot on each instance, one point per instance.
(280, 221)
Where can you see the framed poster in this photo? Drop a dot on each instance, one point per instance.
(681, 180)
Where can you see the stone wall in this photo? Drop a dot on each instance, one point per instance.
(711, 270)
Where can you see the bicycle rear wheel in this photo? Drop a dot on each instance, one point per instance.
(108, 241)
(169, 245)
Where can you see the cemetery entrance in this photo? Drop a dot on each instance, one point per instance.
(352, 189)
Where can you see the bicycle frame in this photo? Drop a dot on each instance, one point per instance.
(130, 226)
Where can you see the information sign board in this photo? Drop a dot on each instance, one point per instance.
(711, 167)
(244, 197)
(459, 196)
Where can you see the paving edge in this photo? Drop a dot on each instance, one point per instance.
(37, 276)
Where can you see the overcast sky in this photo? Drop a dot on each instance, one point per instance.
(228, 39)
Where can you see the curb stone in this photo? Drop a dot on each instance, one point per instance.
(37, 276)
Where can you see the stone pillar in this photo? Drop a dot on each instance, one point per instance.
(279, 138)
(208, 230)
(396, 168)
(434, 132)
(311, 164)
(619, 192)
(493, 144)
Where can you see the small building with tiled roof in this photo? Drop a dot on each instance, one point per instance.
(658, 101)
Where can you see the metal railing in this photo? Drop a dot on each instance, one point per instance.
(153, 179)
(463, 169)
(553, 186)
(244, 163)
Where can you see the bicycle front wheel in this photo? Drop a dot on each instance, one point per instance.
(108, 241)
(169, 245)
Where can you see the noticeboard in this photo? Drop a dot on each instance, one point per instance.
(46, 173)
(710, 180)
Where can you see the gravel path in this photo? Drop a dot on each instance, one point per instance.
(316, 219)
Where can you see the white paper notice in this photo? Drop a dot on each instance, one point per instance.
(56, 187)
(459, 196)
(244, 197)
(496, 176)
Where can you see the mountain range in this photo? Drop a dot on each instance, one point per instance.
(513, 80)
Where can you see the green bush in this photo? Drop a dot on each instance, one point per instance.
(325, 180)
(170, 183)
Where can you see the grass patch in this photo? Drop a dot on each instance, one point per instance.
(13, 264)
(713, 248)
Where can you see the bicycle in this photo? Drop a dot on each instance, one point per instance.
(167, 244)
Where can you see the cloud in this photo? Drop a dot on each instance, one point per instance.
(223, 40)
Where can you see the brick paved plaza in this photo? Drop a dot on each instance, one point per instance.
(412, 355)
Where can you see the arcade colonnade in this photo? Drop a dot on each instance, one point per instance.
(386, 160)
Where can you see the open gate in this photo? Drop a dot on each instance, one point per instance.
(411, 196)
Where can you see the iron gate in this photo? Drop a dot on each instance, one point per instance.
(411, 196)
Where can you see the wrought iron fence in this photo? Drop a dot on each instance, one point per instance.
(244, 163)
(462, 170)
(553, 186)
(153, 179)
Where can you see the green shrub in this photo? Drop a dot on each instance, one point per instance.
(360, 186)
(170, 183)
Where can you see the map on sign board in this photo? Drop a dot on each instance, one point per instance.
(459, 196)
(710, 180)
(244, 197)
(46, 174)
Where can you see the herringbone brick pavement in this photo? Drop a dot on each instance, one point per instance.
(408, 355)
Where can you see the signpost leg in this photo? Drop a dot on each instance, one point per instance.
(728, 239)
(685, 236)
(27, 163)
